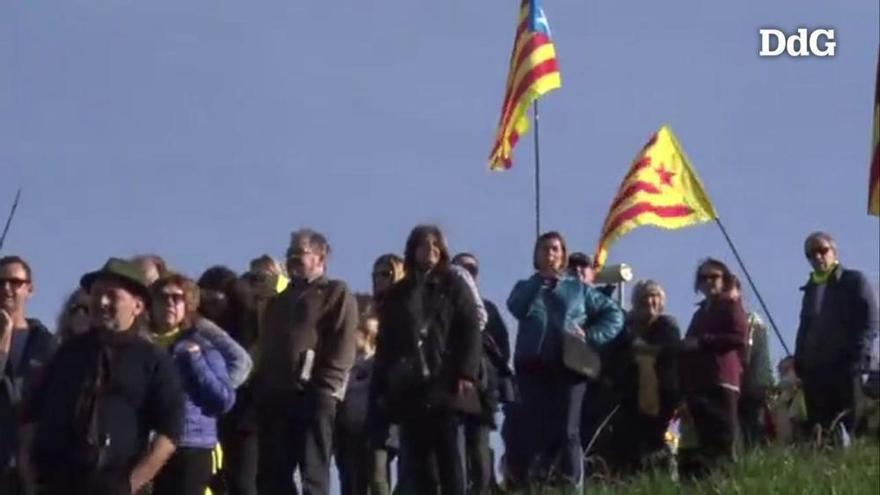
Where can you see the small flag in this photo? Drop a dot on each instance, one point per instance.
(874, 184)
(533, 72)
(661, 189)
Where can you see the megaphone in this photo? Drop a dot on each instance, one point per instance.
(614, 274)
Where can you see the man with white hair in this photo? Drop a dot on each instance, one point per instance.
(838, 322)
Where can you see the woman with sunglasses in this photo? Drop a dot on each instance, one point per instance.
(710, 366)
(74, 317)
(207, 387)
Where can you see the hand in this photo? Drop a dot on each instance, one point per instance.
(193, 348)
(580, 332)
(135, 483)
(464, 386)
(5, 331)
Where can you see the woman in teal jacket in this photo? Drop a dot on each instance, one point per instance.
(546, 305)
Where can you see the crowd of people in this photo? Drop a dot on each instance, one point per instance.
(155, 382)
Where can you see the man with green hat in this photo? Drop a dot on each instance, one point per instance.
(87, 425)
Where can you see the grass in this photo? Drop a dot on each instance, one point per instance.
(778, 470)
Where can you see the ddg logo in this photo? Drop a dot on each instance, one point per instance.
(817, 43)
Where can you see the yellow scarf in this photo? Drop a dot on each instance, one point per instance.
(820, 278)
(165, 340)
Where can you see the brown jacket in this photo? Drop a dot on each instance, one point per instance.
(320, 315)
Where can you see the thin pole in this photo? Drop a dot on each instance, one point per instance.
(9, 218)
(754, 288)
(537, 173)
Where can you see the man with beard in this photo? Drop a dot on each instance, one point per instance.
(86, 428)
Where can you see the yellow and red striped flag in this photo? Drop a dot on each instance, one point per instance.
(874, 181)
(533, 72)
(661, 189)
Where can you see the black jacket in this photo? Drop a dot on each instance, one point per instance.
(16, 383)
(141, 393)
(837, 331)
(444, 306)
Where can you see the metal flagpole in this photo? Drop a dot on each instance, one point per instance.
(537, 173)
(9, 219)
(754, 288)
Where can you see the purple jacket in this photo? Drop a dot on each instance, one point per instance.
(720, 329)
(207, 389)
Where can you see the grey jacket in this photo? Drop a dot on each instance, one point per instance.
(838, 323)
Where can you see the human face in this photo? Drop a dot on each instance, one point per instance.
(78, 313)
(213, 304)
(383, 277)
(428, 252)
(304, 261)
(169, 309)
(550, 255)
(113, 307)
(586, 274)
(711, 281)
(652, 302)
(15, 288)
(821, 255)
(469, 264)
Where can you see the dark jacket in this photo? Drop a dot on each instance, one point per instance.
(444, 306)
(351, 417)
(664, 334)
(207, 388)
(837, 331)
(16, 383)
(141, 394)
(321, 316)
(720, 329)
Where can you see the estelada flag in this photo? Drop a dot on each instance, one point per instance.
(661, 189)
(534, 71)
(874, 181)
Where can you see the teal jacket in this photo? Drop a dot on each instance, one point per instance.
(544, 311)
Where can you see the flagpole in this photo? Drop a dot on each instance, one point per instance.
(752, 284)
(9, 219)
(537, 173)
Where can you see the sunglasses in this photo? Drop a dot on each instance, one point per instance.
(78, 308)
(823, 250)
(175, 297)
(15, 283)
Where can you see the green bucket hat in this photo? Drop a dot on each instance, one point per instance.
(122, 271)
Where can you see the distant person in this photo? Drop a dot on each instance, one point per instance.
(108, 412)
(580, 265)
(74, 318)
(710, 367)
(757, 378)
(25, 348)
(838, 324)
(208, 390)
(153, 266)
(305, 359)
(547, 305)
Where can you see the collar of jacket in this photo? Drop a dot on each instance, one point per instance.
(835, 275)
(302, 282)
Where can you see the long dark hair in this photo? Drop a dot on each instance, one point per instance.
(416, 237)
(727, 277)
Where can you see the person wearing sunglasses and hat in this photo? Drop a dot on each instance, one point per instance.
(838, 323)
(25, 347)
(87, 427)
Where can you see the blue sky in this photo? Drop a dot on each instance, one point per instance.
(207, 131)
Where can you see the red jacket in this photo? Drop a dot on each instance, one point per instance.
(720, 329)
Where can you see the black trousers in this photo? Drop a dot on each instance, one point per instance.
(187, 472)
(434, 458)
(296, 431)
(479, 456)
(354, 460)
(715, 418)
(828, 392)
(240, 453)
(750, 411)
(79, 483)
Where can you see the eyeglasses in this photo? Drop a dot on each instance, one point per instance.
(174, 297)
(384, 274)
(15, 283)
(822, 250)
(78, 308)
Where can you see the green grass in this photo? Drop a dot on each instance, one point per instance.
(802, 470)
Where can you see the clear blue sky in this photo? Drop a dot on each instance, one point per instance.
(207, 131)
